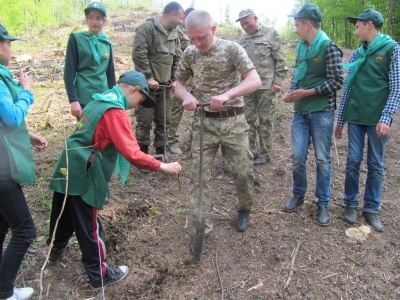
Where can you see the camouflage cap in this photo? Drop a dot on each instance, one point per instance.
(310, 12)
(5, 36)
(96, 5)
(369, 15)
(245, 13)
(136, 78)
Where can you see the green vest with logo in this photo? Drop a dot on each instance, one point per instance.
(370, 89)
(17, 143)
(91, 76)
(315, 75)
(89, 170)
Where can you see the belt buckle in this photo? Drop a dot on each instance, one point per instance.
(226, 117)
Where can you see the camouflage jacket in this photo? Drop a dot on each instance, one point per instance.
(266, 51)
(216, 71)
(156, 51)
(185, 42)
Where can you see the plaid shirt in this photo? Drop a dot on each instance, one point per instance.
(334, 74)
(393, 100)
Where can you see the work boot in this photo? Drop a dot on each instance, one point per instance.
(323, 217)
(243, 220)
(350, 215)
(113, 275)
(373, 220)
(159, 151)
(56, 253)
(203, 247)
(22, 294)
(292, 204)
(259, 161)
(174, 149)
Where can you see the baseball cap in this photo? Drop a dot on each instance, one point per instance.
(96, 5)
(136, 78)
(5, 36)
(245, 13)
(310, 12)
(369, 15)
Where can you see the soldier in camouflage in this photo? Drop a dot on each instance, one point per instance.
(265, 49)
(156, 53)
(221, 83)
(176, 104)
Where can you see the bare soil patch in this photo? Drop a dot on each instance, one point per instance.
(147, 230)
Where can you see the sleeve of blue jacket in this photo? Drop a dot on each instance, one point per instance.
(13, 113)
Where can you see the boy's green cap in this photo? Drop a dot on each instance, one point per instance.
(245, 13)
(5, 36)
(136, 78)
(310, 12)
(96, 5)
(368, 15)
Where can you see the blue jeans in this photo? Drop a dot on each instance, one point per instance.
(14, 215)
(375, 153)
(318, 128)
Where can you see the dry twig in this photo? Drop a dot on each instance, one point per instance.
(291, 271)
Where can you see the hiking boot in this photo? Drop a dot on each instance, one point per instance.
(323, 218)
(350, 215)
(243, 220)
(174, 149)
(373, 221)
(22, 294)
(56, 253)
(113, 275)
(259, 161)
(292, 204)
(203, 247)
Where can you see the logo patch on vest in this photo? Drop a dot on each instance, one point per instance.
(316, 59)
(380, 57)
(82, 124)
(106, 54)
(112, 96)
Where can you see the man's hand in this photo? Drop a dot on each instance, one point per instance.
(37, 141)
(172, 168)
(275, 88)
(25, 81)
(218, 101)
(153, 84)
(338, 132)
(76, 109)
(173, 85)
(382, 130)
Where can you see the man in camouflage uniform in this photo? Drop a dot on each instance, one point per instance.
(221, 83)
(265, 49)
(156, 53)
(176, 104)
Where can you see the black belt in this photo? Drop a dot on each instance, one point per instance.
(224, 114)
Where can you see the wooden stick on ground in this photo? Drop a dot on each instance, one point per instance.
(291, 271)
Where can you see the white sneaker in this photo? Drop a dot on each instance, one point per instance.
(22, 294)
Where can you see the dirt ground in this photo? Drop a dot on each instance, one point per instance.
(281, 255)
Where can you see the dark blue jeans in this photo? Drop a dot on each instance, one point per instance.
(315, 127)
(14, 215)
(375, 155)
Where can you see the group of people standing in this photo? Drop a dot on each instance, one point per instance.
(180, 63)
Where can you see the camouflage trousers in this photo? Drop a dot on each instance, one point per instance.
(232, 135)
(146, 116)
(176, 116)
(262, 105)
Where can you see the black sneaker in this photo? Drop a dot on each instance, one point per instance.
(113, 275)
(56, 253)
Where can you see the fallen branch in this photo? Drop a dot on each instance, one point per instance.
(291, 271)
(219, 275)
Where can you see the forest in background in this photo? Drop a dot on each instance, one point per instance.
(23, 15)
